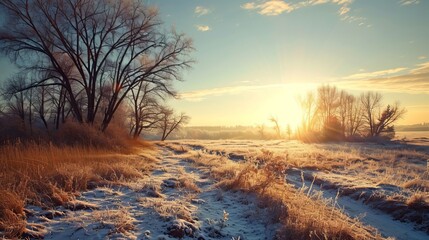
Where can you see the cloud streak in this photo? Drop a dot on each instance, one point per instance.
(200, 95)
(202, 28)
(277, 7)
(415, 81)
(200, 11)
(375, 74)
(409, 2)
(269, 8)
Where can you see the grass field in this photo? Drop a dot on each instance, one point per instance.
(216, 190)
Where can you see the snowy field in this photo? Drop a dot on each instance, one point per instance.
(382, 186)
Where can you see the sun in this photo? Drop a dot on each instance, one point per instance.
(283, 104)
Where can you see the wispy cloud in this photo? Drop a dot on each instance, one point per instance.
(414, 81)
(203, 28)
(381, 73)
(409, 2)
(421, 68)
(249, 6)
(269, 8)
(422, 57)
(200, 95)
(277, 7)
(200, 11)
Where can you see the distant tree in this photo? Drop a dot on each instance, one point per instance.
(276, 127)
(18, 104)
(170, 122)
(371, 103)
(388, 116)
(327, 102)
(343, 109)
(309, 107)
(339, 115)
(261, 131)
(146, 109)
(288, 131)
(59, 104)
(332, 130)
(354, 119)
(40, 104)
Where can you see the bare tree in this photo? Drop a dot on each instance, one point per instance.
(146, 110)
(327, 102)
(288, 130)
(90, 45)
(261, 131)
(371, 104)
(340, 114)
(17, 101)
(40, 102)
(354, 119)
(59, 101)
(343, 109)
(389, 116)
(309, 107)
(276, 127)
(170, 122)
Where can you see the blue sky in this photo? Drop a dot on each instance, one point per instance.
(254, 58)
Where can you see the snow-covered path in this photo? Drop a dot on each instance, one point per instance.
(178, 200)
(384, 223)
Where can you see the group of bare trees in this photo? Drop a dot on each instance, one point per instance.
(86, 59)
(333, 114)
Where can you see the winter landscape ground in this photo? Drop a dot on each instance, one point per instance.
(238, 189)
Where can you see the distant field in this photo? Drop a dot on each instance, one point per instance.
(412, 134)
(414, 137)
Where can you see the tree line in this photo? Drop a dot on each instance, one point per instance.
(332, 114)
(91, 61)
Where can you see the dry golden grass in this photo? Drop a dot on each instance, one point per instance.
(353, 167)
(302, 216)
(187, 182)
(120, 220)
(48, 175)
(12, 218)
(371, 163)
(417, 184)
(176, 148)
(418, 201)
(170, 209)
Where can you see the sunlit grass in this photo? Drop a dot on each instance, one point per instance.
(301, 215)
(351, 167)
(48, 175)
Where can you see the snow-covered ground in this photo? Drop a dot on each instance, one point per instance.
(178, 200)
(384, 223)
(360, 181)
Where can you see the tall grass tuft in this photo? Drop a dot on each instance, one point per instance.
(50, 175)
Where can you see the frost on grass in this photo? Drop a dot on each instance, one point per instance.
(365, 177)
(180, 201)
(237, 190)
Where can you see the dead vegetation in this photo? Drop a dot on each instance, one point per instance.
(47, 175)
(119, 221)
(302, 215)
(12, 217)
